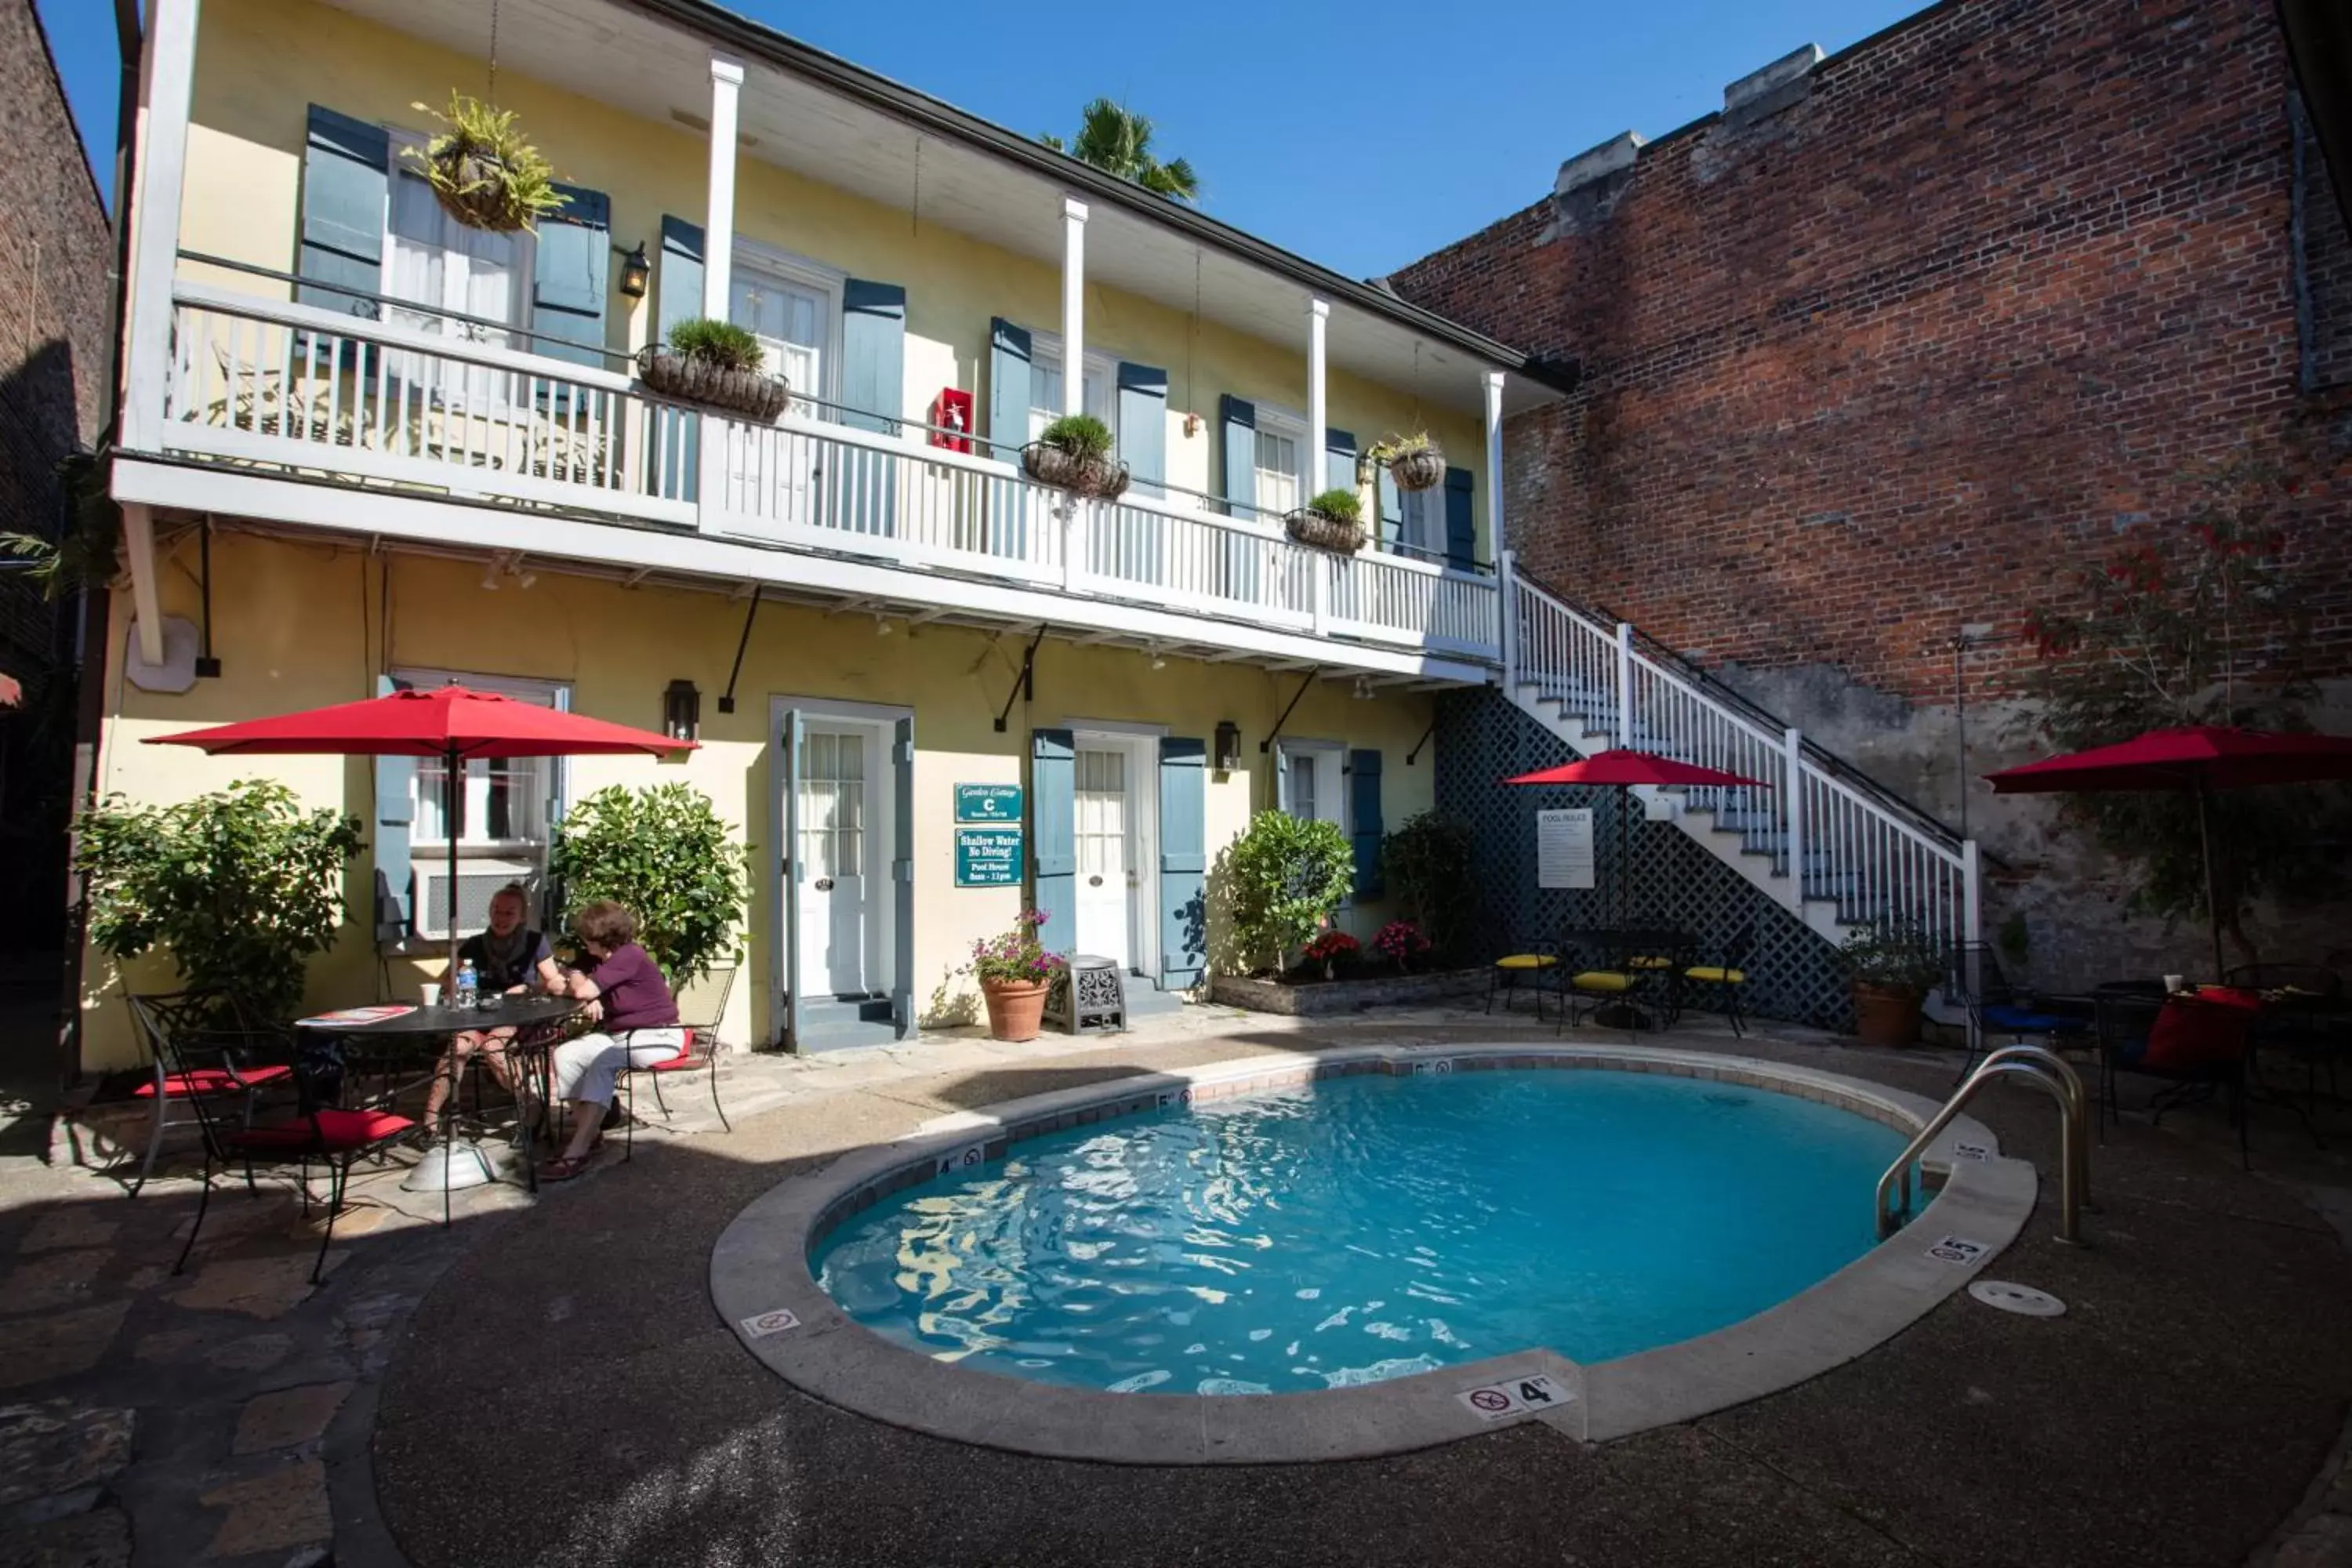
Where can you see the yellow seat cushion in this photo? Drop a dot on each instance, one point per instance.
(1602, 980)
(1650, 961)
(1716, 974)
(1526, 960)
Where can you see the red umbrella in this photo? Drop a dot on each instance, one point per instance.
(452, 724)
(1624, 769)
(2203, 758)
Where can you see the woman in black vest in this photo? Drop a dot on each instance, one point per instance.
(508, 957)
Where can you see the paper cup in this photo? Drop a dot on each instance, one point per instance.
(431, 993)
(2174, 983)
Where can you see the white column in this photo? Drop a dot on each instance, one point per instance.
(1495, 462)
(718, 271)
(1318, 402)
(146, 597)
(1793, 803)
(1074, 305)
(1506, 619)
(167, 79)
(719, 209)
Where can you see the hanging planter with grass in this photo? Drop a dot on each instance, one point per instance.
(1073, 454)
(1416, 462)
(485, 172)
(1333, 521)
(717, 363)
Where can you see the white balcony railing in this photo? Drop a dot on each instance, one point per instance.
(261, 382)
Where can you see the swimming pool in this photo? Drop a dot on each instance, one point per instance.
(1365, 1227)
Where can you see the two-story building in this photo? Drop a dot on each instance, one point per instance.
(363, 444)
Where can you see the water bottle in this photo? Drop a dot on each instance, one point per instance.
(468, 985)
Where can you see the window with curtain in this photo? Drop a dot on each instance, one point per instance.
(793, 322)
(1276, 462)
(1045, 389)
(1424, 532)
(503, 805)
(432, 259)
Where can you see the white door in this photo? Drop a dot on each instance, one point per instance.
(834, 884)
(1106, 853)
(772, 472)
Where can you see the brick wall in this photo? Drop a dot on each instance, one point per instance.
(1884, 354)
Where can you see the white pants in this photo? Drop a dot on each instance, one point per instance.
(585, 1068)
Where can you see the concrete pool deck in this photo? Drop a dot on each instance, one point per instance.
(550, 1383)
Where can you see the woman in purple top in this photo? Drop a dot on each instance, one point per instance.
(626, 993)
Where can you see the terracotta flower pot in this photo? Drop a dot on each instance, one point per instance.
(1016, 1010)
(1885, 1016)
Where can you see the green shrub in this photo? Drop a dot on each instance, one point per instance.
(1395, 447)
(1079, 434)
(1898, 955)
(721, 343)
(1281, 881)
(663, 853)
(1344, 506)
(241, 887)
(1426, 863)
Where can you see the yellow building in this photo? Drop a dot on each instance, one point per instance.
(362, 444)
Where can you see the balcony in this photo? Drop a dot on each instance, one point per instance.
(453, 442)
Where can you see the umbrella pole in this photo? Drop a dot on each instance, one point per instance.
(2212, 904)
(450, 785)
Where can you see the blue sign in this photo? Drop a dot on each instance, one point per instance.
(988, 803)
(988, 857)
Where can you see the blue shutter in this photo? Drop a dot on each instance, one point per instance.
(567, 297)
(1339, 462)
(1364, 820)
(396, 816)
(1008, 388)
(1053, 828)
(1144, 426)
(1461, 534)
(346, 188)
(864, 484)
(1392, 506)
(677, 296)
(1184, 862)
(1237, 572)
(902, 877)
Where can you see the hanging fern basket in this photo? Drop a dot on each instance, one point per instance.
(484, 171)
(1081, 474)
(1422, 468)
(472, 184)
(1322, 531)
(690, 378)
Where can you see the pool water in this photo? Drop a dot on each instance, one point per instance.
(1368, 1227)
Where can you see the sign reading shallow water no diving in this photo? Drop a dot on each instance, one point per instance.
(988, 857)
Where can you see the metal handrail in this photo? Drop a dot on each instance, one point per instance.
(2057, 1079)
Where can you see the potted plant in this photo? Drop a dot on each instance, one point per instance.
(1333, 521)
(1403, 944)
(1894, 966)
(1416, 462)
(1328, 949)
(1015, 976)
(717, 363)
(485, 172)
(665, 854)
(241, 888)
(1073, 454)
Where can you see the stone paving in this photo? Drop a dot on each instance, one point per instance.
(235, 1415)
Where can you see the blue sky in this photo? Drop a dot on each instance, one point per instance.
(1362, 135)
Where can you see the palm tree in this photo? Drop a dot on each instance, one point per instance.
(1119, 141)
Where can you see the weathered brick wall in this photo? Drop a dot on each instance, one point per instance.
(1889, 359)
(56, 261)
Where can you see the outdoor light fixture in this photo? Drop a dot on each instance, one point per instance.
(681, 711)
(636, 271)
(1229, 747)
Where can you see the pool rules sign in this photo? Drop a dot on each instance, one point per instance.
(1564, 848)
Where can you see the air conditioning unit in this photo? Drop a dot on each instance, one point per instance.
(478, 882)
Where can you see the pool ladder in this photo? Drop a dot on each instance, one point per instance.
(2036, 1065)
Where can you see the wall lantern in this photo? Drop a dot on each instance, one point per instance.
(681, 711)
(1229, 747)
(636, 271)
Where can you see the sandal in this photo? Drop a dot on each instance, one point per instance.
(564, 1168)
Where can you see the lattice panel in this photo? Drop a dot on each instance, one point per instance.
(1667, 876)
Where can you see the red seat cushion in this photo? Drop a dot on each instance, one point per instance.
(326, 1132)
(685, 1058)
(2209, 1029)
(214, 1080)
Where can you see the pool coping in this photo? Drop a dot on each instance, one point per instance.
(762, 1286)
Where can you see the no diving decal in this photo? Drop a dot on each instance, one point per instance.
(1438, 1069)
(970, 1157)
(1516, 1396)
(775, 1320)
(1957, 1249)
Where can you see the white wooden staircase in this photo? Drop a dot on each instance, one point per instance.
(1860, 855)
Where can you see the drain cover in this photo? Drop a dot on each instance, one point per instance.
(2023, 1299)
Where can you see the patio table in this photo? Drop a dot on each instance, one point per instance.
(1652, 955)
(399, 1027)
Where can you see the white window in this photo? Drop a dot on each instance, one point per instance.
(1312, 787)
(793, 308)
(1045, 387)
(432, 259)
(502, 808)
(1281, 438)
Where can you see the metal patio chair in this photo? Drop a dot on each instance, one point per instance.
(244, 1073)
(702, 1005)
